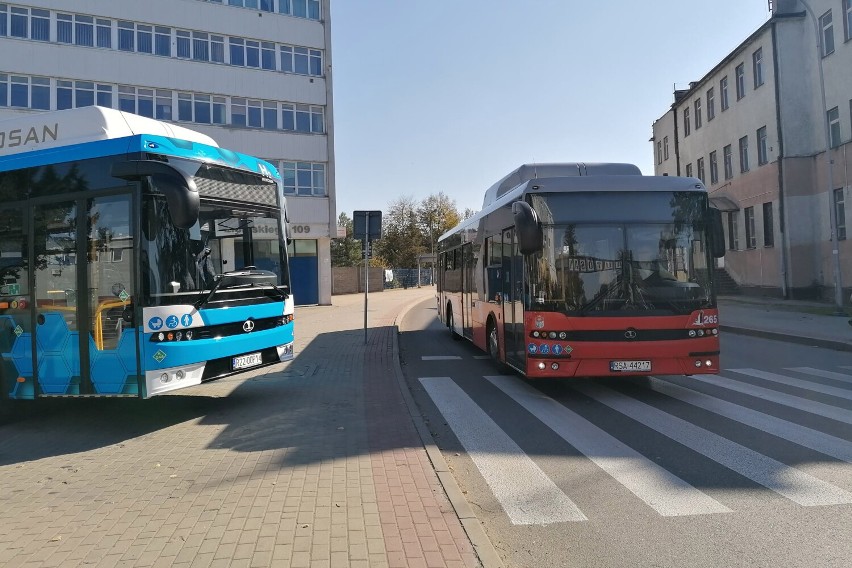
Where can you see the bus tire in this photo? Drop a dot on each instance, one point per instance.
(492, 341)
(450, 323)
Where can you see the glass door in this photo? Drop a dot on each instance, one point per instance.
(84, 288)
(513, 307)
(16, 356)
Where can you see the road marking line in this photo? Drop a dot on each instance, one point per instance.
(482, 357)
(785, 380)
(793, 484)
(440, 358)
(524, 491)
(821, 373)
(784, 399)
(666, 493)
(796, 433)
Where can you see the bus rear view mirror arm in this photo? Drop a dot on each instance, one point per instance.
(527, 228)
(179, 189)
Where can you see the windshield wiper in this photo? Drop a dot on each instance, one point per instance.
(203, 300)
(249, 277)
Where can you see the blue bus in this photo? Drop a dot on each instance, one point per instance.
(136, 257)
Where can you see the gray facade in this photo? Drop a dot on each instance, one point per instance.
(753, 129)
(255, 75)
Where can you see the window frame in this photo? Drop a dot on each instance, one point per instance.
(768, 225)
(762, 146)
(724, 101)
(757, 67)
(826, 35)
(743, 149)
(714, 168)
(739, 81)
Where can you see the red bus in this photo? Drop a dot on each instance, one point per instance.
(587, 270)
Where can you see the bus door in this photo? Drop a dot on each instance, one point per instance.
(513, 307)
(85, 341)
(467, 289)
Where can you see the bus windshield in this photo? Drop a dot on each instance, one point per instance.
(625, 267)
(179, 265)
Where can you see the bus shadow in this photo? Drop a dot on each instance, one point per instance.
(32, 430)
(338, 398)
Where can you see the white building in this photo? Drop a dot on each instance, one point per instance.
(255, 75)
(753, 129)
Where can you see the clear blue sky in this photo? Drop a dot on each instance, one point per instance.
(452, 95)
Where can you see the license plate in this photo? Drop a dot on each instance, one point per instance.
(246, 361)
(629, 365)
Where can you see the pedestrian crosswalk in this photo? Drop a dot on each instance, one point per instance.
(799, 400)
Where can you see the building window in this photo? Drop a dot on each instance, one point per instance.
(768, 226)
(751, 238)
(762, 150)
(840, 210)
(847, 21)
(4, 18)
(138, 101)
(659, 151)
(303, 178)
(700, 166)
(686, 123)
(757, 67)
(740, 80)
(309, 9)
(126, 36)
(302, 118)
(723, 93)
(163, 105)
(833, 117)
(301, 60)
(144, 39)
(19, 22)
(689, 170)
(697, 114)
(733, 236)
(728, 159)
(665, 147)
(104, 32)
(714, 168)
(29, 92)
(104, 95)
(827, 34)
(744, 154)
(40, 24)
(711, 104)
(163, 41)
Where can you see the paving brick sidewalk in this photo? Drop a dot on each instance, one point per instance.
(314, 463)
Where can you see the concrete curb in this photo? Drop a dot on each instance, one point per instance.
(790, 338)
(481, 543)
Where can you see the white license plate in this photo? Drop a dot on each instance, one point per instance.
(629, 365)
(246, 361)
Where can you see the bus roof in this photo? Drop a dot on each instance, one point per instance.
(43, 138)
(43, 130)
(527, 172)
(576, 183)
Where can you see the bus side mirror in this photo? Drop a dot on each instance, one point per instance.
(527, 228)
(717, 233)
(179, 189)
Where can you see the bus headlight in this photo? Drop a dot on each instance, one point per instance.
(542, 366)
(164, 378)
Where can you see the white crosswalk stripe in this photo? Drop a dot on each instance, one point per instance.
(802, 435)
(664, 492)
(785, 380)
(440, 358)
(524, 491)
(799, 403)
(824, 374)
(796, 485)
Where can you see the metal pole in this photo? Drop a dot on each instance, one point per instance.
(835, 253)
(366, 272)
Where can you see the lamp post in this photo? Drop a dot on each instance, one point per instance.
(835, 253)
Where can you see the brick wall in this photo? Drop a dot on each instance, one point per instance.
(350, 280)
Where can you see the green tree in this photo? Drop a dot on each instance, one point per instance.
(345, 251)
(436, 215)
(402, 239)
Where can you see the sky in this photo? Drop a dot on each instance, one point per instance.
(453, 95)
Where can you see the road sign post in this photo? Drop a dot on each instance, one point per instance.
(367, 226)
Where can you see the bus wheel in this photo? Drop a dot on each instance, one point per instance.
(450, 322)
(493, 341)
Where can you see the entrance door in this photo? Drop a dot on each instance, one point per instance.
(513, 307)
(468, 288)
(85, 342)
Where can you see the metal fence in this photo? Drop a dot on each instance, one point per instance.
(409, 277)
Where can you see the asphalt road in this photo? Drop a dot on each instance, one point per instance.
(749, 468)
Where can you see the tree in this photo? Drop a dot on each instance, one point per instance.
(345, 251)
(402, 240)
(436, 215)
